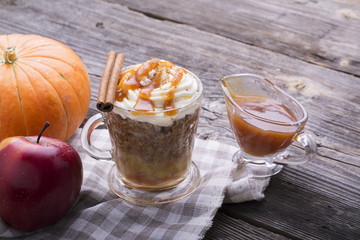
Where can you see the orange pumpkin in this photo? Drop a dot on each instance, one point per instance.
(41, 80)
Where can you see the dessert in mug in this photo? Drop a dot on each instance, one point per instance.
(153, 124)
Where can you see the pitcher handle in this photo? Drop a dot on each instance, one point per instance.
(264, 169)
(307, 140)
(85, 138)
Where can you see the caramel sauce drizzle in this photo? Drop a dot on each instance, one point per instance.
(130, 80)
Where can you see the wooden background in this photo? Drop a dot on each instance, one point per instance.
(309, 48)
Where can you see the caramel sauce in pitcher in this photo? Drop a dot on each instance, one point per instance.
(261, 128)
(131, 80)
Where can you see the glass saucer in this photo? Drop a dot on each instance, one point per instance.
(137, 196)
(260, 167)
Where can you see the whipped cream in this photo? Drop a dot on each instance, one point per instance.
(158, 95)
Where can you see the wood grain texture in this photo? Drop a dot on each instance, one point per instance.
(318, 212)
(319, 200)
(322, 32)
(225, 227)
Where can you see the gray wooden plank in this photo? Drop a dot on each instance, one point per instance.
(309, 213)
(92, 28)
(322, 32)
(225, 227)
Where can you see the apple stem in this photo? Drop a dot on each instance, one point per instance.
(47, 124)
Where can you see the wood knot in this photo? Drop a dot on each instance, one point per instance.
(297, 85)
(302, 85)
(100, 25)
(348, 13)
(344, 63)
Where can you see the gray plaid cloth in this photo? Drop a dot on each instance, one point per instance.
(100, 214)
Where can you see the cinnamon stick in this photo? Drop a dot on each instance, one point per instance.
(105, 80)
(109, 81)
(114, 80)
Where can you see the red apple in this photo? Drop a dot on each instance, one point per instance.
(39, 181)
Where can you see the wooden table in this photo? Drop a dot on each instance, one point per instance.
(309, 48)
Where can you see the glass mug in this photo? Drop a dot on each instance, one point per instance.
(266, 122)
(152, 163)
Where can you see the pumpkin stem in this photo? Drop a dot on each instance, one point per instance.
(47, 124)
(9, 55)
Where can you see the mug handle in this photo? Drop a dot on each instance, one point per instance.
(85, 138)
(307, 140)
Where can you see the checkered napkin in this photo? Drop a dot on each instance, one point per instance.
(100, 214)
